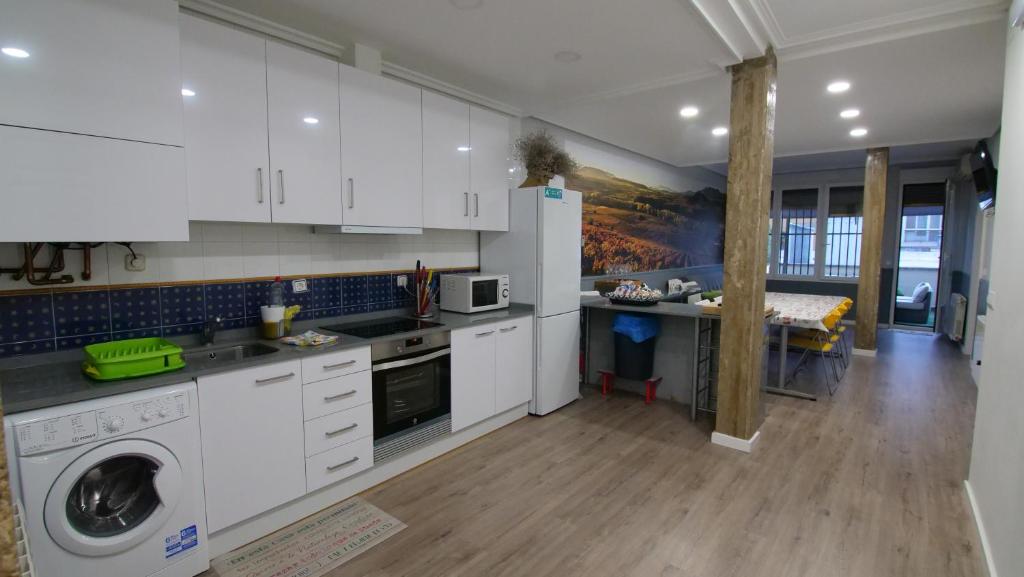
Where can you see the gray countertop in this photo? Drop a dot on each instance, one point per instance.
(662, 308)
(47, 380)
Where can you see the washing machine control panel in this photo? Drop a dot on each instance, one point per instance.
(50, 434)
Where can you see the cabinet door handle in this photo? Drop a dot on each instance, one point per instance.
(338, 397)
(466, 212)
(280, 178)
(274, 379)
(333, 468)
(351, 193)
(509, 329)
(337, 432)
(339, 365)
(476, 204)
(259, 185)
(485, 334)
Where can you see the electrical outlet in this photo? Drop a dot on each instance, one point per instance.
(402, 281)
(299, 286)
(136, 263)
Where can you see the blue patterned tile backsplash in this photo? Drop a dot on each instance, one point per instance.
(48, 321)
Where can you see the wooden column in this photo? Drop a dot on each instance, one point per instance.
(751, 147)
(876, 174)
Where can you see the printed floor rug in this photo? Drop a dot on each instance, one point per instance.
(312, 546)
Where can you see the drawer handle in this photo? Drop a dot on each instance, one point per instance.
(335, 433)
(341, 396)
(509, 329)
(339, 365)
(333, 468)
(274, 379)
(485, 334)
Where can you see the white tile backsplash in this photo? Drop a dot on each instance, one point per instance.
(223, 260)
(234, 250)
(261, 259)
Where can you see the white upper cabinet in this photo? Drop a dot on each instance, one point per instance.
(488, 169)
(224, 72)
(382, 151)
(91, 121)
(305, 151)
(103, 67)
(465, 165)
(446, 153)
(60, 187)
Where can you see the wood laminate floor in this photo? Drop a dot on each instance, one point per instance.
(869, 483)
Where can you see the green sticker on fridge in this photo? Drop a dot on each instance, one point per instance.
(553, 193)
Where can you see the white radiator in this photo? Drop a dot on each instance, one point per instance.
(954, 315)
(25, 568)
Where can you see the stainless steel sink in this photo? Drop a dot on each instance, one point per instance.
(216, 356)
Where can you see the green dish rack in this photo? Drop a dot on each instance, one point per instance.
(131, 358)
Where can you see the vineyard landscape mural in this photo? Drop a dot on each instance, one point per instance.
(633, 227)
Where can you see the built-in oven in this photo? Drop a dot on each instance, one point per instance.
(411, 383)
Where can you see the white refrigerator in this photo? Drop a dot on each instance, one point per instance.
(541, 254)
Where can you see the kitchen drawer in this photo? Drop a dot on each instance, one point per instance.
(339, 463)
(339, 428)
(337, 394)
(336, 364)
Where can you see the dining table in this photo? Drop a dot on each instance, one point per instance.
(805, 311)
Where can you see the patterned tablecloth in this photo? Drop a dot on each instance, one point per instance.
(805, 311)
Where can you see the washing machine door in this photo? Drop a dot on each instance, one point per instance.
(113, 497)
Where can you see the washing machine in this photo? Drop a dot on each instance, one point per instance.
(112, 487)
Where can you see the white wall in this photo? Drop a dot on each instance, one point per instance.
(229, 250)
(997, 460)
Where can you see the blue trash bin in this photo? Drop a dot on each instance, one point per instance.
(635, 338)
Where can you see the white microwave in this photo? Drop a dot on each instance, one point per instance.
(474, 293)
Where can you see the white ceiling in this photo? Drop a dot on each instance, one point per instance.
(922, 70)
(914, 154)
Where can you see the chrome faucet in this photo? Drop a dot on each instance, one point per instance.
(209, 331)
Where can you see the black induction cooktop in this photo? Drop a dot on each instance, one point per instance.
(381, 327)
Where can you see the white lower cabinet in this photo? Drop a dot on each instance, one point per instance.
(337, 429)
(332, 466)
(337, 394)
(252, 439)
(514, 368)
(492, 370)
(473, 352)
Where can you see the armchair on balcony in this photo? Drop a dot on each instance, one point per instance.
(915, 308)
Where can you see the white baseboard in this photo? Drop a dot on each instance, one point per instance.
(865, 352)
(249, 530)
(985, 548)
(745, 445)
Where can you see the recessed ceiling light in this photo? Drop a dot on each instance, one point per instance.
(567, 56)
(858, 132)
(14, 52)
(466, 4)
(850, 113)
(719, 131)
(838, 86)
(689, 111)
(188, 92)
(464, 148)
(311, 120)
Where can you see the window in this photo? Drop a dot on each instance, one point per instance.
(798, 222)
(845, 223)
(798, 214)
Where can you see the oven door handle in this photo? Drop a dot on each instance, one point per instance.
(412, 361)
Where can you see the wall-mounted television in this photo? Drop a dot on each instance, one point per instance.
(984, 173)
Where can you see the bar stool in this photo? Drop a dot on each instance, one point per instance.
(822, 342)
(608, 383)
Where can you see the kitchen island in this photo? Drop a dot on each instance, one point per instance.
(684, 356)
